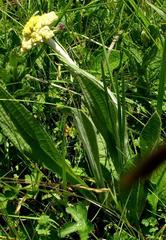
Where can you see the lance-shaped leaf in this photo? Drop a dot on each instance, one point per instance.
(87, 133)
(104, 113)
(30, 138)
(150, 134)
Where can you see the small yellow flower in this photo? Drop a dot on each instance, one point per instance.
(37, 30)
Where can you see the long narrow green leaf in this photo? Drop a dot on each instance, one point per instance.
(88, 136)
(138, 11)
(162, 82)
(150, 134)
(157, 9)
(10, 131)
(98, 107)
(38, 145)
(120, 130)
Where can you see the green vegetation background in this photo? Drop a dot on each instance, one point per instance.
(65, 140)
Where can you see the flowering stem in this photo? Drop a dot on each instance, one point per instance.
(67, 59)
(63, 54)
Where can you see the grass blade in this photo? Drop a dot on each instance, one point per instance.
(88, 136)
(162, 81)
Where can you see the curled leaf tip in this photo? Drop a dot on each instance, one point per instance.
(37, 30)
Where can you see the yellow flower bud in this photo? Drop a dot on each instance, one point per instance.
(37, 30)
(48, 18)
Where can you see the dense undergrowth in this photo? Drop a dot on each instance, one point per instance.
(66, 136)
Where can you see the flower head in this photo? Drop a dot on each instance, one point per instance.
(37, 30)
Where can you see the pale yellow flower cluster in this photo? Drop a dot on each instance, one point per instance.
(37, 30)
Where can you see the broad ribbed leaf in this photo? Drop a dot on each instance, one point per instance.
(104, 113)
(159, 178)
(22, 128)
(150, 134)
(10, 131)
